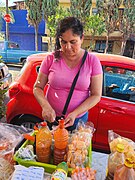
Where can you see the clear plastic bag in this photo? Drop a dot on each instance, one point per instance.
(129, 145)
(10, 136)
(79, 145)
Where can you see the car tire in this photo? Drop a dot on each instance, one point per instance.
(26, 120)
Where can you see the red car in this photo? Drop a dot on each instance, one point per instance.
(115, 111)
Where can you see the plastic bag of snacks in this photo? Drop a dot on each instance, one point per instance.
(9, 137)
(83, 173)
(79, 145)
(129, 145)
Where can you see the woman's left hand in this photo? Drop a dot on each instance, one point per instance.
(69, 120)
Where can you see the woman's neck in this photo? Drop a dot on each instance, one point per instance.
(73, 61)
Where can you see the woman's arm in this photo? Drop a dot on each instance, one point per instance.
(91, 101)
(47, 111)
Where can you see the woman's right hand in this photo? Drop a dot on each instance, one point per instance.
(48, 114)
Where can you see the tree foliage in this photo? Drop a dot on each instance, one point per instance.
(109, 11)
(2, 98)
(80, 9)
(3, 12)
(53, 22)
(94, 26)
(54, 19)
(49, 8)
(34, 16)
(127, 22)
(2, 104)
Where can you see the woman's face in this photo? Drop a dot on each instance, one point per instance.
(70, 43)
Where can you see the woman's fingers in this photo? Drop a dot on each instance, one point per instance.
(49, 116)
(68, 122)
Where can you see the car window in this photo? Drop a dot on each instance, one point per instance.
(37, 69)
(119, 83)
(13, 45)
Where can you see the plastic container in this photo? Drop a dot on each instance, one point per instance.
(61, 172)
(43, 143)
(115, 159)
(60, 143)
(49, 167)
(125, 172)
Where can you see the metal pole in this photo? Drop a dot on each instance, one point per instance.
(7, 27)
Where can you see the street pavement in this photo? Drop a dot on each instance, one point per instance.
(14, 70)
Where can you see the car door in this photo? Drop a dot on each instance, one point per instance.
(117, 105)
(13, 52)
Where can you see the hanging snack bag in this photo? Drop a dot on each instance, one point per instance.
(129, 146)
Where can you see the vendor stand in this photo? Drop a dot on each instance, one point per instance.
(98, 161)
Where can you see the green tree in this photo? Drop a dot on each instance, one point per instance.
(94, 26)
(2, 98)
(109, 11)
(34, 16)
(80, 9)
(127, 23)
(2, 104)
(49, 8)
(54, 19)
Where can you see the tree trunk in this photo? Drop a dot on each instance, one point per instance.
(123, 45)
(50, 43)
(36, 37)
(91, 43)
(106, 46)
(134, 52)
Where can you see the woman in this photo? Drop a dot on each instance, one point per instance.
(60, 68)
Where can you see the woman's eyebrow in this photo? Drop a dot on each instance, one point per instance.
(73, 40)
(62, 39)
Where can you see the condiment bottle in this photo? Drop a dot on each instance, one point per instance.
(115, 159)
(61, 172)
(60, 142)
(126, 171)
(43, 143)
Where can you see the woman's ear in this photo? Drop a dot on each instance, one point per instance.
(82, 38)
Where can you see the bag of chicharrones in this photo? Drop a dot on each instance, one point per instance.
(9, 137)
(129, 145)
(79, 145)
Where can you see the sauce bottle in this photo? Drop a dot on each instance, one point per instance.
(61, 172)
(43, 143)
(126, 171)
(60, 143)
(115, 159)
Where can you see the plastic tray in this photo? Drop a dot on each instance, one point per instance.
(48, 167)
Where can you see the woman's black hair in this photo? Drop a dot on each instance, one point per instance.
(65, 24)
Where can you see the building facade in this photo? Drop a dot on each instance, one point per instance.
(24, 34)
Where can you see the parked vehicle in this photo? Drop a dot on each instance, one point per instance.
(116, 109)
(5, 77)
(11, 52)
